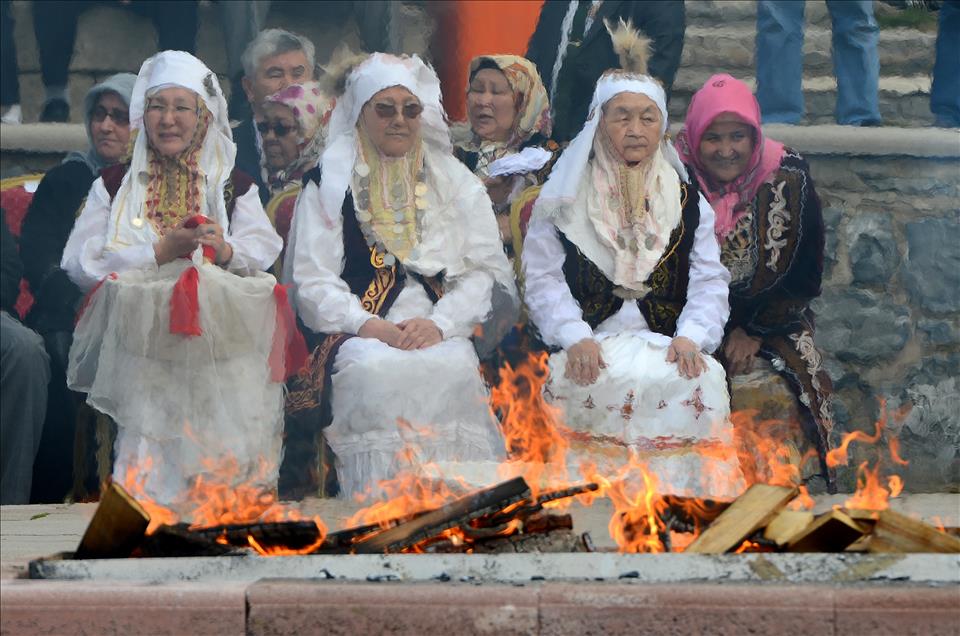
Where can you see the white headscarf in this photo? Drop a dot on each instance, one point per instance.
(570, 200)
(377, 72)
(216, 161)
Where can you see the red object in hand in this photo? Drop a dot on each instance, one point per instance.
(209, 253)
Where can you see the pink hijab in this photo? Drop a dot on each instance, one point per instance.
(726, 94)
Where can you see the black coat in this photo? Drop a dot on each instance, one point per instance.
(248, 157)
(46, 228)
(10, 269)
(664, 21)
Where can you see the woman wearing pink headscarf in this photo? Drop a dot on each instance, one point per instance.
(770, 231)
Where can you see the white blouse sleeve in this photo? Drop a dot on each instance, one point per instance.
(549, 301)
(707, 307)
(465, 303)
(85, 257)
(324, 300)
(255, 243)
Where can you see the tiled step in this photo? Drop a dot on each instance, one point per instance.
(904, 101)
(903, 52)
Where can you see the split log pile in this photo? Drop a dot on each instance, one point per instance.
(760, 520)
(506, 518)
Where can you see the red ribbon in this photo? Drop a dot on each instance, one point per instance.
(185, 304)
(288, 352)
(209, 252)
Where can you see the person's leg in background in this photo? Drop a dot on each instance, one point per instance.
(945, 92)
(664, 22)
(24, 374)
(9, 82)
(856, 61)
(55, 27)
(241, 21)
(779, 60)
(175, 22)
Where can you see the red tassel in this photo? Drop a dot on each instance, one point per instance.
(89, 296)
(209, 253)
(185, 304)
(288, 352)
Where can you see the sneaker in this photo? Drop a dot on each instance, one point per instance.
(55, 110)
(12, 115)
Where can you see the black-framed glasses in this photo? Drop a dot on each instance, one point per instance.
(278, 129)
(389, 111)
(119, 117)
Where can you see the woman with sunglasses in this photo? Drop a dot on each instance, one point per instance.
(395, 260)
(293, 131)
(182, 337)
(49, 220)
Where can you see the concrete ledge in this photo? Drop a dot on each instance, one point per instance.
(43, 138)
(932, 569)
(881, 141)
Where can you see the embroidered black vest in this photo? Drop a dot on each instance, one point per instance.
(668, 281)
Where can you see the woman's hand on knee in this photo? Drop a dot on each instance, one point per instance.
(740, 349)
(382, 330)
(686, 354)
(418, 333)
(584, 361)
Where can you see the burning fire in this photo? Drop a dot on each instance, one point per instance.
(537, 446)
(215, 498)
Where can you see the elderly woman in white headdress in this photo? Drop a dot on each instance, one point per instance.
(177, 343)
(623, 274)
(396, 258)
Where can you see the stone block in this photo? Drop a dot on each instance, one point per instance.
(940, 332)
(685, 609)
(831, 223)
(300, 607)
(860, 326)
(66, 607)
(873, 250)
(932, 271)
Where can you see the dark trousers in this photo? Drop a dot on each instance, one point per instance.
(55, 25)
(945, 92)
(9, 86)
(664, 22)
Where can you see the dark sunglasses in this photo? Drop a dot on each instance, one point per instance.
(278, 129)
(389, 111)
(119, 117)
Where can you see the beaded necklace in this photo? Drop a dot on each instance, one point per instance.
(390, 198)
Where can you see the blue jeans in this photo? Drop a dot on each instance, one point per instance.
(856, 61)
(945, 92)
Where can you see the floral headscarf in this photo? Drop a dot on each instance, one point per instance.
(533, 110)
(533, 105)
(726, 94)
(312, 108)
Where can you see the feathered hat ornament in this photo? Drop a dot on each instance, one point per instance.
(342, 61)
(630, 45)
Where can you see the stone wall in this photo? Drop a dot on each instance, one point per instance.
(889, 316)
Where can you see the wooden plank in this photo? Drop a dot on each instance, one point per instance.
(455, 513)
(117, 527)
(786, 525)
(895, 532)
(750, 512)
(832, 531)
